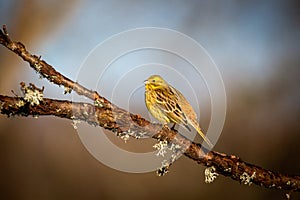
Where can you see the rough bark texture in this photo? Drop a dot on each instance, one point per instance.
(103, 113)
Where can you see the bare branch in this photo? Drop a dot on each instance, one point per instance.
(103, 113)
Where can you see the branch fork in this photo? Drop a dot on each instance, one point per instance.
(102, 112)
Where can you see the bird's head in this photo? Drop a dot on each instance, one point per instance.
(155, 82)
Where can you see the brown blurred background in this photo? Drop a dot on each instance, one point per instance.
(255, 44)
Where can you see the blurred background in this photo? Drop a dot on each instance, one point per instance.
(255, 44)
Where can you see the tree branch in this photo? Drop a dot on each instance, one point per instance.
(103, 113)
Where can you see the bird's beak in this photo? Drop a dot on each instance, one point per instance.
(146, 81)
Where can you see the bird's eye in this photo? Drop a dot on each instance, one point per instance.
(153, 81)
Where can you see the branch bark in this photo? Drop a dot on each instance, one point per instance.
(107, 115)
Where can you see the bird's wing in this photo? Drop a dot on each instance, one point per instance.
(185, 106)
(168, 102)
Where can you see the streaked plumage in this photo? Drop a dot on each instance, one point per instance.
(168, 105)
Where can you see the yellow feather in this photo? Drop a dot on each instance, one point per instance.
(167, 105)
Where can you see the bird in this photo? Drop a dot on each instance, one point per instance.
(168, 105)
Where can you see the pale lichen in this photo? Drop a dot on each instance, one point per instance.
(20, 103)
(164, 169)
(227, 170)
(174, 157)
(162, 147)
(176, 152)
(37, 66)
(124, 137)
(74, 124)
(139, 135)
(246, 178)
(210, 174)
(68, 90)
(32, 94)
(132, 133)
(98, 103)
(175, 147)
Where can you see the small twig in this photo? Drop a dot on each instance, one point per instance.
(109, 116)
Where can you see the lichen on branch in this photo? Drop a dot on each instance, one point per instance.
(102, 112)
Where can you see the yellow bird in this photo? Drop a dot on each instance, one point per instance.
(168, 105)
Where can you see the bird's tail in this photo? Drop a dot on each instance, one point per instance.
(198, 129)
